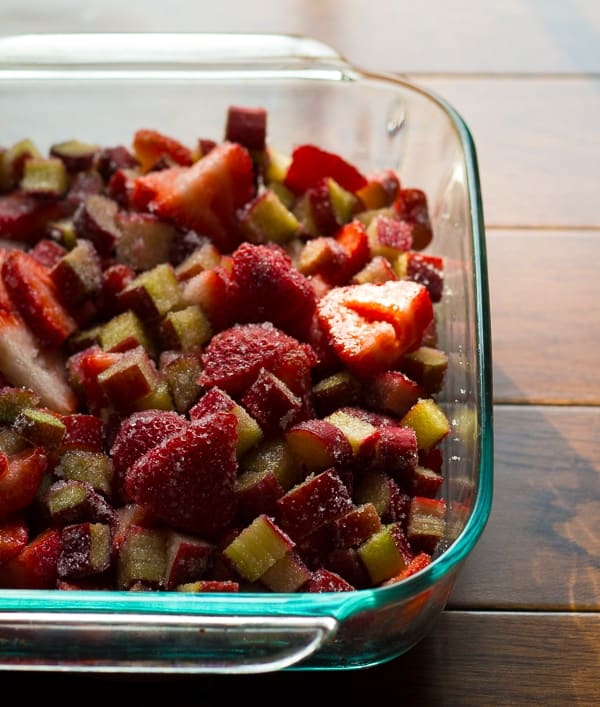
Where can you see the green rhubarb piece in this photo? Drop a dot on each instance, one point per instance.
(268, 220)
(19, 151)
(203, 258)
(11, 442)
(80, 271)
(124, 331)
(130, 379)
(142, 558)
(257, 548)
(44, 176)
(343, 202)
(335, 391)
(380, 556)
(276, 456)
(63, 232)
(181, 374)
(355, 429)
(94, 468)
(276, 165)
(64, 497)
(186, 329)
(157, 399)
(158, 289)
(40, 427)
(427, 366)
(100, 546)
(14, 400)
(428, 421)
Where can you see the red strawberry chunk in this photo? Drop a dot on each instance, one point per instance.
(151, 146)
(23, 363)
(266, 287)
(35, 566)
(188, 480)
(234, 357)
(34, 294)
(203, 197)
(371, 325)
(136, 435)
(14, 534)
(311, 164)
(20, 478)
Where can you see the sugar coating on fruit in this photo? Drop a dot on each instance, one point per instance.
(218, 367)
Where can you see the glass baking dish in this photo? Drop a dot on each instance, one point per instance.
(101, 88)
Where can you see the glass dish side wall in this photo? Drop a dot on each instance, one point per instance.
(376, 124)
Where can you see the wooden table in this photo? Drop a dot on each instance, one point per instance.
(523, 623)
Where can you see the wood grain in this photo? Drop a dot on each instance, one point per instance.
(480, 659)
(538, 146)
(545, 315)
(541, 547)
(435, 36)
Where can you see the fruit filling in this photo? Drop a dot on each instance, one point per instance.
(219, 367)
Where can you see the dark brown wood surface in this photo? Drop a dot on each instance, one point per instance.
(523, 623)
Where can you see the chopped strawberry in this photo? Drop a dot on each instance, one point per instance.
(203, 197)
(371, 325)
(266, 287)
(136, 435)
(234, 357)
(188, 480)
(151, 146)
(311, 164)
(20, 477)
(24, 217)
(14, 534)
(22, 363)
(355, 242)
(35, 566)
(34, 295)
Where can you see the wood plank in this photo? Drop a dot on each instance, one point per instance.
(541, 547)
(538, 146)
(431, 35)
(545, 315)
(468, 659)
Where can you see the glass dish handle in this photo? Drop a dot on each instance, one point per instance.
(158, 643)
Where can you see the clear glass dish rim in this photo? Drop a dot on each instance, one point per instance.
(71, 56)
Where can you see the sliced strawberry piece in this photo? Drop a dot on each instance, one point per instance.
(24, 217)
(355, 242)
(266, 287)
(311, 164)
(20, 477)
(203, 197)
(22, 363)
(136, 435)
(371, 325)
(188, 480)
(152, 146)
(35, 566)
(14, 534)
(234, 358)
(34, 294)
